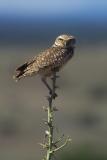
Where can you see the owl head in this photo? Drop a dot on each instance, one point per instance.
(65, 41)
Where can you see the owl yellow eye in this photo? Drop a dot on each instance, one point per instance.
(60, 39)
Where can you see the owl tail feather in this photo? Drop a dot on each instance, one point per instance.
(20, 71)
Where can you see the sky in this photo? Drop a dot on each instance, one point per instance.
(25, 16)
(33, 7)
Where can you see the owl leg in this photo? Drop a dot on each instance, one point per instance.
(46, 84)
(49, 88)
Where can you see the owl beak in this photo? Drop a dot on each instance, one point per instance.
(73, 42)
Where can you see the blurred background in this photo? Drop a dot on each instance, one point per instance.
(28, 27)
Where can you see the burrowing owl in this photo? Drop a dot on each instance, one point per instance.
(49, 60)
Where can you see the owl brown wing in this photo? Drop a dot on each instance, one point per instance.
(52, 57)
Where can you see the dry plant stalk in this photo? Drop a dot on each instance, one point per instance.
(50, 145)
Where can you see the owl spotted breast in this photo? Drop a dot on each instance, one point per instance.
(49, 60)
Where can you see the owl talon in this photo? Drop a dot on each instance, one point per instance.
(54, 95)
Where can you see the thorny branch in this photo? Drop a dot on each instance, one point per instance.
(50, 145)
